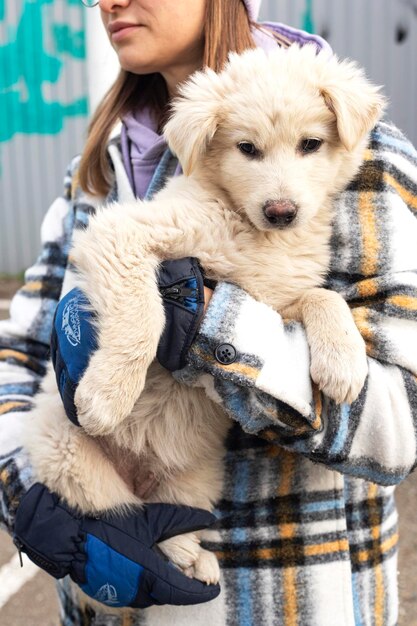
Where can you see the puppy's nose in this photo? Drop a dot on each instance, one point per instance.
(280, 213)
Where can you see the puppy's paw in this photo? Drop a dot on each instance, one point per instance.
(206, 568)
(94, 412)
(340, 369)
(104, 396)
(182, 550)
(195, 562)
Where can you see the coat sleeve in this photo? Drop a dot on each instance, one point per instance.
(24, 347)
(267, 388)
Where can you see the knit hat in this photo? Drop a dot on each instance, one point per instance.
(252, 7)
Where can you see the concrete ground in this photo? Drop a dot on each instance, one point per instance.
(33, 603)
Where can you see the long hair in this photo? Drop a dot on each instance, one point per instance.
(227, 29)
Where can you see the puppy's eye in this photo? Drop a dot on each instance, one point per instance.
(308, 146)
(248, 149)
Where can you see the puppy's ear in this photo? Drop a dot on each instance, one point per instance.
(194, 119)
(356, 103)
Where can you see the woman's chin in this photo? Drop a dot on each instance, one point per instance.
(135, 65)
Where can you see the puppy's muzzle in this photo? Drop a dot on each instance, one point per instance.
(280, 213)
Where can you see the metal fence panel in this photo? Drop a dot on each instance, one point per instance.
(380, 34)
(43, 113)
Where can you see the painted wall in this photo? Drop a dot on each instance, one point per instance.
(43, 115)
(102, 62)
(380, 34)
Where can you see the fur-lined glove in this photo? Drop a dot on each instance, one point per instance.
(112, 558)
(73, 338)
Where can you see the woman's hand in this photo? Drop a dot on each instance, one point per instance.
(207, 297)
(111, 557)
(74, 341)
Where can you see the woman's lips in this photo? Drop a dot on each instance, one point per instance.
(118, 30)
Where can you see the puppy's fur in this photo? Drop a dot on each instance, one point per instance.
(144, 434)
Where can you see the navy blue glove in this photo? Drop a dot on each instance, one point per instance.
(73, 338)
(112, 558)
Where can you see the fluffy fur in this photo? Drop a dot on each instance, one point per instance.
(146, 437)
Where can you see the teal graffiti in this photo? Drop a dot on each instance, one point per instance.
(308, 22)
(25, 66)
(69, 41)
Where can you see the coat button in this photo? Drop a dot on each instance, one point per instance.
(225, 353)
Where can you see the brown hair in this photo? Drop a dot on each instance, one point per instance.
(227, 29)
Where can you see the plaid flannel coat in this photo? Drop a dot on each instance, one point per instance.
(307, 531)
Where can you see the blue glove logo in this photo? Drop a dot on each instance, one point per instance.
(107, 594)
(122, 575)
(71, 322)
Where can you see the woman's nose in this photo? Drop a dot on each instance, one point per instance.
(111, 6)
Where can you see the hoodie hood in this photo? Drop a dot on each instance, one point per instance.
(252, 7)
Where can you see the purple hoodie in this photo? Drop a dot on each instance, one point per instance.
(142, 146)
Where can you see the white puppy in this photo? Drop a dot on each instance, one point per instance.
(265, 145)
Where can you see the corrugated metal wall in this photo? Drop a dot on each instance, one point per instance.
(43, 91)
(43, 115)
(379, 34)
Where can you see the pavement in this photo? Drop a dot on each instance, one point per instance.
(27, 595)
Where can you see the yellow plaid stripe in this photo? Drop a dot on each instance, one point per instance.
(6, 407)
(13, 354)
(409, 198)
(403, 302)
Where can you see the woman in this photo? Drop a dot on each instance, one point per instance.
(303, 538)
